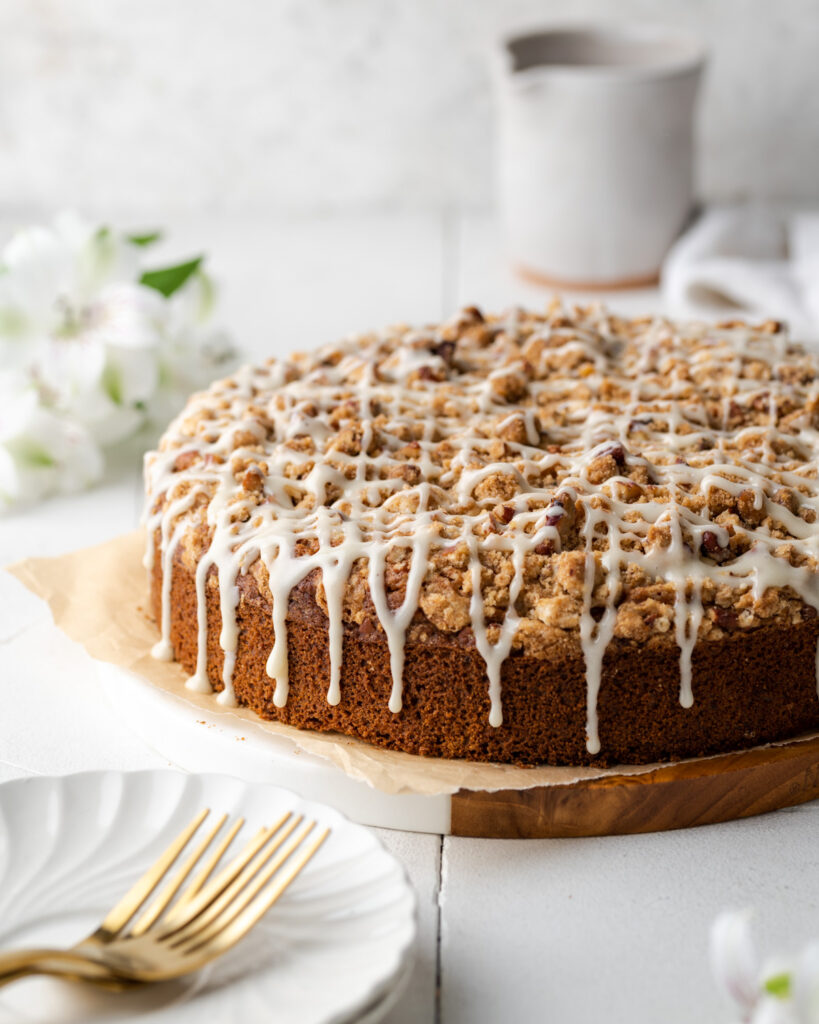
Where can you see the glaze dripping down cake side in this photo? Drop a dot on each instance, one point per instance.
(558, 538)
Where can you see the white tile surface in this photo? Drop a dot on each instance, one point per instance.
(421, 857)
(616, 929)
(54, 721)
(560, 931)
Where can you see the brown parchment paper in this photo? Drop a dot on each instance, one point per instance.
(98, 597)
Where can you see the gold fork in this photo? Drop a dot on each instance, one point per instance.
(184, 926)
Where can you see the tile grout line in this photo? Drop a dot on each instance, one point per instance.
(438, 921)
(450, 266)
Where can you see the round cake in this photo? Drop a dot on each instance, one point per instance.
(561, 537)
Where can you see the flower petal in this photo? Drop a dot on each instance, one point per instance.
(771, 1010)
(733, 958)
(42, 451)
(806, 985)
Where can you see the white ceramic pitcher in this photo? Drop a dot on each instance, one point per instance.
(596, 151)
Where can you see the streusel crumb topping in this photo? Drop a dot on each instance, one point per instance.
(521, 478)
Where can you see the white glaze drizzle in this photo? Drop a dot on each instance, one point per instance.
(286, 486)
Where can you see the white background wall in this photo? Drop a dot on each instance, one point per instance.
(294, 106)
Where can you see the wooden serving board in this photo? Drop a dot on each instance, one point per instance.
(197, 735)
(700, 792)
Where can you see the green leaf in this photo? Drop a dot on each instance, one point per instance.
(40, 457)
(32, 453)
(170, 279)
(779, 985)
(112, 382)
(147, 239)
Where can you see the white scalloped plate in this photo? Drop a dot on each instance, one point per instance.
(337, 944)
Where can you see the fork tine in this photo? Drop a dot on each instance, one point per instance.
(121, 914)
(209, 865)
(181, 915)
(200, 933)
(202, 916)
(234, 902)
(154, 911)
(227, 930)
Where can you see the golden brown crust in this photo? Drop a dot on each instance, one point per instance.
(750, 687)
(527, 490)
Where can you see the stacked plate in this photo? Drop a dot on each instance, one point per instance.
(336, 947)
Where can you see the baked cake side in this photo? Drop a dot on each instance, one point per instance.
(562, 537)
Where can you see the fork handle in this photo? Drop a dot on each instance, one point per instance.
(22, 963)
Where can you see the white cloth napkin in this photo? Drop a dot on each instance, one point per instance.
(747, 261)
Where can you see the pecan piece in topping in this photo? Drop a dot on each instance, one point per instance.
(607, 463)
(253, 480)
(746, 505)
(787, 499)
(513, 429)
(407, 471)
(628, 490)
(617, 452)
(505, 513)
(710, 544)
(472, 313)
(509, 387)
(444, 350)
(185, 460)
(561, 514)
(726, 618)
(711, 547)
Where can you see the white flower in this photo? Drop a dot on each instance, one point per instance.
(108, 372)
(783, 992)
(806, 985)
(733, 958)
(49, 275)
(100, 346)
(41, 451)
(772, 1010)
